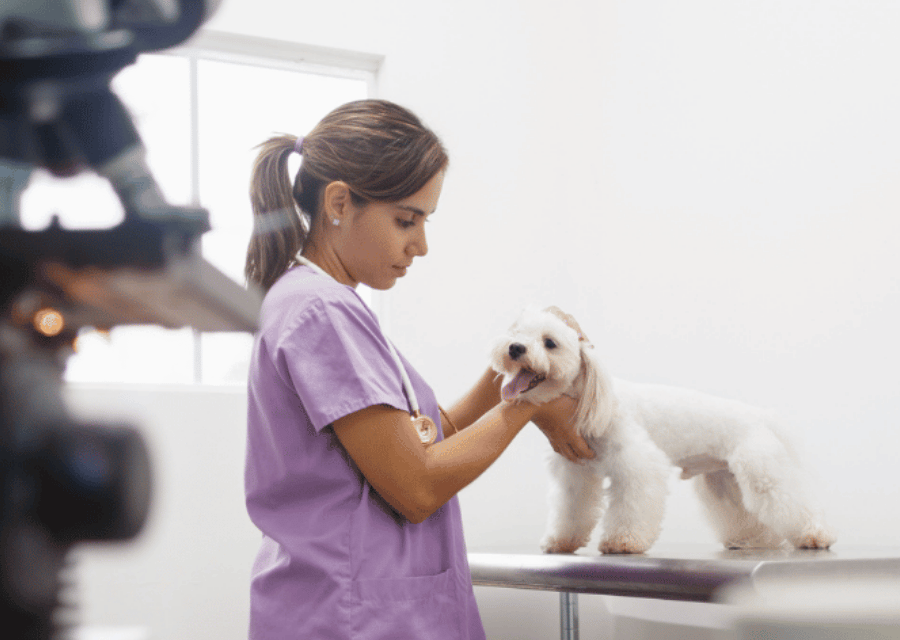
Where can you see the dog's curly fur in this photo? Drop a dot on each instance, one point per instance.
(745, 471)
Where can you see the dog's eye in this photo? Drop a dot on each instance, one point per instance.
(548, 342)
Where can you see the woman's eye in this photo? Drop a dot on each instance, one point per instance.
(549, 343)
(406, 224)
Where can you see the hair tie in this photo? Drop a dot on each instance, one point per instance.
(298, 146)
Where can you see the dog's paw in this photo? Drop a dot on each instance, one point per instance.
(624, 543)
(553, 544)
(819, 539)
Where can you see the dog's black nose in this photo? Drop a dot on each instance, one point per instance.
(516, 350)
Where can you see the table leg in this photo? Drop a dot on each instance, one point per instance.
(568, 616)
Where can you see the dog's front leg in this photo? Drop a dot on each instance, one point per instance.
(639, 485)
(575, 502)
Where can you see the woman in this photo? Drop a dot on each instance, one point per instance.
(362, 534)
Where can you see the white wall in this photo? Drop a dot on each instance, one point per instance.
(186, 576)
(711, 188)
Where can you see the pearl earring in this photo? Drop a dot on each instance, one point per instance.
(336, 222)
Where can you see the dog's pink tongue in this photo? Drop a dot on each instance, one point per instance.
(517, 385)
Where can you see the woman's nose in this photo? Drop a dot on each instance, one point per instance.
(419, 246)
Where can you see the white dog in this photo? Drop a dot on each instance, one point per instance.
(746, 472)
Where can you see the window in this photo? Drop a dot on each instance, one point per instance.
(200, 110)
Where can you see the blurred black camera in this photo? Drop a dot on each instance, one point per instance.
(62, 481)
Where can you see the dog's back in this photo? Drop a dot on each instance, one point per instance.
(684, 423)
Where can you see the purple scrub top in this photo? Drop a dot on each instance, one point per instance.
(336, 561)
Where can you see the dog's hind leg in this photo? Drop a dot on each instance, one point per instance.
(575, 501)
(774, 490)
(735, 527)
(639, 476)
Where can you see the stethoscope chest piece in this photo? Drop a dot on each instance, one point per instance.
(424, 426)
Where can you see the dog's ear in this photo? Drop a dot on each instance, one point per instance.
(596, 402)
(569, 319)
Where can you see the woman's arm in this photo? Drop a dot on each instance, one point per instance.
(416, 479)
(484, 395)
(556, 423)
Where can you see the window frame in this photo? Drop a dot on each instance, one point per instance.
(270, 54)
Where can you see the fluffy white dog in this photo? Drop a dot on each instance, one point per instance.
(745, 471)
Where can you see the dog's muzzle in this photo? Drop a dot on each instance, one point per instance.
(525, 380)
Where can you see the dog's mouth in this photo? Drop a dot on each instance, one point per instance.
(522, 382)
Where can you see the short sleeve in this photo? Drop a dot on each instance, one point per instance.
(338, 361)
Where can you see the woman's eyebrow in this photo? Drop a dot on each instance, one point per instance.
(412, 209)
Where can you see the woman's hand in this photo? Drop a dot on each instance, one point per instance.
(556, 420)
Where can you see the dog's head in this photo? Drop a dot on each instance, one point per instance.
(543, 355)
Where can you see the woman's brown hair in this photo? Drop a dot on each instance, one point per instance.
(382, 152)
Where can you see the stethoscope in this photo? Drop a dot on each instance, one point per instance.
(424, 426)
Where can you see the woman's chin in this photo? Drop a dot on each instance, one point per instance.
(382, 285)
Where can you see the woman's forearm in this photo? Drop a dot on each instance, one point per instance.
(483, 396)
(453, 463)
(416, 479)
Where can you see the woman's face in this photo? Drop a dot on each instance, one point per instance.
(376, 244)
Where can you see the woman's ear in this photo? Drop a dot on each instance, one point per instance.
(337, 203)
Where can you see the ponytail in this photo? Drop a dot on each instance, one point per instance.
(280, 227)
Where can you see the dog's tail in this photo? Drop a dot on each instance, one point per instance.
(597, 400)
